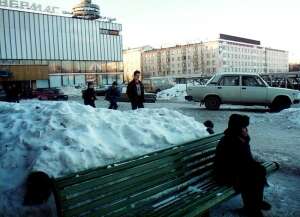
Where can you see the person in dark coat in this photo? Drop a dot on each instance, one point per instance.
(235, 166)
(112, 95)
(13, 94)
(135, 92)
(209, 127)
(89, 95)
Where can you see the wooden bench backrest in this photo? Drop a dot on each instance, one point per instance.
(131, 184)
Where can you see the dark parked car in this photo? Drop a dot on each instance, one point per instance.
(101, 91)
(49, 94)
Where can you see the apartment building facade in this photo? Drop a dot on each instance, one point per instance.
(226, 54)
(132, 59)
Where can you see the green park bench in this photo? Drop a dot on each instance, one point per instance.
(178, 181)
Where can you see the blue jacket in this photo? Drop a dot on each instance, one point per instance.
(112, 94)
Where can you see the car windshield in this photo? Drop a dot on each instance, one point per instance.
(213, 80)
(263, 81)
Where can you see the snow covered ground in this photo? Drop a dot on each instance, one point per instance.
(63, 137)
(178, 92)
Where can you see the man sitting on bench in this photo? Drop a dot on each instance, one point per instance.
(235, 166)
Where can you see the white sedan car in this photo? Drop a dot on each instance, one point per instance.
(242, 89)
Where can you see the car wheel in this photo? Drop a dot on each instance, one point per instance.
(212, 102)
(279, 104)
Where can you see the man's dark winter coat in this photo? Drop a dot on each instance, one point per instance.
(132, 92)
(112, 94)
(234, 164)
(13, 94)
(89, 97)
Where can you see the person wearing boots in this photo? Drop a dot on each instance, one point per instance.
(135, 92)
(235, 166)
(89, 95)
(112, 95)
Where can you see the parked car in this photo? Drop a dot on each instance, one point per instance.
(242, 89)
(49, 94)
(101, 91)
(157, 84)
(149, 97)
(3, 95)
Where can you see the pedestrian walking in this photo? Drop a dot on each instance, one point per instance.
(135, 92)
(13, 94)
(89, 95)
(235, 166)
(112, 95)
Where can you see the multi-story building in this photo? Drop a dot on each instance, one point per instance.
(226, 54)
(132, 61)
(43, 50)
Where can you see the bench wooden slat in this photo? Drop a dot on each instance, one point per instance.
(129, 188)
(121, 192)
(110, 190)
(151, 191)
(200, 206)
(169, 210)
(129, 175)
(179, 179)
(134, 172)
(138, 171)
(155, 184)
(102, 171)
(88, 184)
(110, 171)
(180, 186)
(205, 202)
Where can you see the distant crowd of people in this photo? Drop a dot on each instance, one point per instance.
(135, 92)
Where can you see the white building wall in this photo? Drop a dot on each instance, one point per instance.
(211, 57)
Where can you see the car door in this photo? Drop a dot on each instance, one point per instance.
(229, 89)
(253, 90)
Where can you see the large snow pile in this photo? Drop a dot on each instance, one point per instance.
(292, 115)
(72, 91)
(178, 92)
(61, 137)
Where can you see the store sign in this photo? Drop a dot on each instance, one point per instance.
(24, 5)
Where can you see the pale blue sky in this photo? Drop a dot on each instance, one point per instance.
(162, 22)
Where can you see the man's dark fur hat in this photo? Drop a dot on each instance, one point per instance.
(238, 122)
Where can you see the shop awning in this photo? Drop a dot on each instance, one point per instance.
(5, 74)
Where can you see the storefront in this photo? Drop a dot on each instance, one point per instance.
(45, 50)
